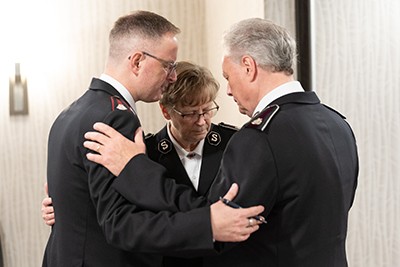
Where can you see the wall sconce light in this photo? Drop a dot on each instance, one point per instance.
(18, 93)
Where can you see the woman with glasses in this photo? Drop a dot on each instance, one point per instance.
(188, 105)
(190, 146)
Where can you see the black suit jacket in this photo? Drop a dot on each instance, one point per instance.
(161, 149)
(95, 225)
(302, 166)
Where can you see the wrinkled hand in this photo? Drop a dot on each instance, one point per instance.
(47, 208)
(232, 225)
(114, 150)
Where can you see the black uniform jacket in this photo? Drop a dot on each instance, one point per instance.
(95, 225)
(301, 163)
(161, 149)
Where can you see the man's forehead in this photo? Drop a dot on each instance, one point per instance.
(225, 63)
(168, 47)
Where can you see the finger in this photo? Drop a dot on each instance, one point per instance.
(231, 194)
(250, 230)
(48, 213)
(246, 232)
(252, 211)
(50, 222)
(47, 202)
(96, 137)
(46, 189)
(251, 222)
(94, 146)
(105, 129)
(48, 216)
(47, 210)
(261, 221)
(96, 158)
(242, 238)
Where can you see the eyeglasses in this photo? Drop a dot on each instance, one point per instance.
(195, 116)
(167, 65)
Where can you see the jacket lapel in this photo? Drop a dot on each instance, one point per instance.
(212, 155)
(172, 162)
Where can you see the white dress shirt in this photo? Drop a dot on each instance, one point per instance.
(284, 89)
(120, 88)
(190, 160)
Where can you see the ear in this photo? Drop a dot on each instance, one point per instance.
(165, 112)
(249, 66)
(135, 60)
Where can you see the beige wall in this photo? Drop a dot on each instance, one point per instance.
(220, 15)
(62, 44)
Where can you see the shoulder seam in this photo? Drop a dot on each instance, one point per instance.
(228, 126)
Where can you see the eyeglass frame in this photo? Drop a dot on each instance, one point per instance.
(167, 65)
(194, 113)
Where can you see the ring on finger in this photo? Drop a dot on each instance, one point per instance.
(250, 222)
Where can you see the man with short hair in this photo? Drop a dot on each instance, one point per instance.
(190, 147)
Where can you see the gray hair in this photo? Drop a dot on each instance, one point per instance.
(136, 30)
(268, 44)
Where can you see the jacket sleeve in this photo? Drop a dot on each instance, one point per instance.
(144, 183)
(136, 228)
(131, 228)
(249, 162)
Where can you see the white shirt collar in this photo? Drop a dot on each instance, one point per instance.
(284, 89)
(180, 150)
(120, 88)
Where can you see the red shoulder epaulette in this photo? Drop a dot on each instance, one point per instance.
(261, 120)
(119, 104)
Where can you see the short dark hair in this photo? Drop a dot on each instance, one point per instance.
(136, 28)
